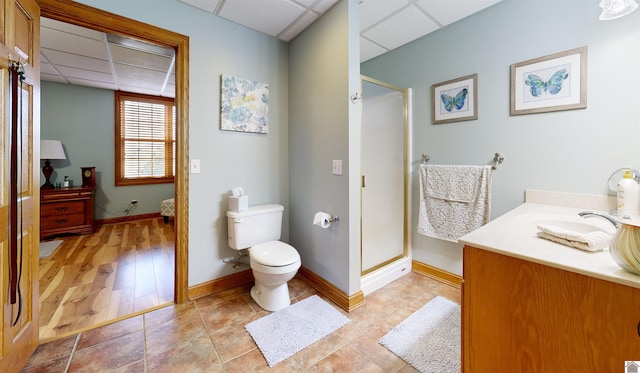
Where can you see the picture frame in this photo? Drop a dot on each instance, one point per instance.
(244, 105)
(550, 83)
(455, 100)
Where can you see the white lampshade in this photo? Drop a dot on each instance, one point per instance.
(51, 149)
(612, 9)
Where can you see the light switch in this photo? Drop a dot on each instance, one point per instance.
(195, 166)
(337, 167)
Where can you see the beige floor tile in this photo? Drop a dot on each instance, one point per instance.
(253, 361)
(162, 336)
(195, 355)
(346, 359)
(232, 341)
(319, 350)
(208, 335)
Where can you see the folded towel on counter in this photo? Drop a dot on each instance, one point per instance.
(591, 241)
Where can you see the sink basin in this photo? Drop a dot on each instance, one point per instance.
(530, 222)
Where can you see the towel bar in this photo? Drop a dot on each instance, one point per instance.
(497, 160)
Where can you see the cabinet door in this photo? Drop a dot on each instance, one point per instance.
(520, 316)
(19, 176)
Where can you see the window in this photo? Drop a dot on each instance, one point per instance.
(145, 139)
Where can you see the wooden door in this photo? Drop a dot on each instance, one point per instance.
(19, 181)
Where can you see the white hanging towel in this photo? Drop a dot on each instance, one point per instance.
(454, 200)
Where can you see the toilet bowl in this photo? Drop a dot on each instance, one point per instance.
(273, 264)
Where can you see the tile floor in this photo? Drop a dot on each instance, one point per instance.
(207, 335)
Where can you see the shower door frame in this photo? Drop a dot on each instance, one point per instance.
(406, 186)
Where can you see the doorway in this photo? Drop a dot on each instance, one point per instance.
(384, 188)
(85, 16)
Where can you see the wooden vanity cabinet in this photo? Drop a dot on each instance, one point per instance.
(67, 210)
(520, 316)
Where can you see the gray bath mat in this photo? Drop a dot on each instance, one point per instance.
(291, 329)
(429, 339)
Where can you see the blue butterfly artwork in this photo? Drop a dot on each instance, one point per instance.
(552, 86)
(456, 102)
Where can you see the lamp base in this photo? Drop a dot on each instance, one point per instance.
(47, 170)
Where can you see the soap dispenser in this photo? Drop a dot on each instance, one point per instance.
(627, 197)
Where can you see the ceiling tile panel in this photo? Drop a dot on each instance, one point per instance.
(93, 83)
(267, 16)
(73, 60)
(82, 57)
(302, 23)
(369, 50)
(140, 72)
(52, 77)
(206, 5)
(50, 24)
(324, 5)
(151, 92)
(124, 81)
(70, 43)
(136, 58)
(374, 11)
(403, 27)
(70, 72)
(450, 11)
(46, 68)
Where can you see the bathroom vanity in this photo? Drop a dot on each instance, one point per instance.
(532, 305)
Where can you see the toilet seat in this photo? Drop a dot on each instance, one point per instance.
(274, 254)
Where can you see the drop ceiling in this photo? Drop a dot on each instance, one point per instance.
(76, 55)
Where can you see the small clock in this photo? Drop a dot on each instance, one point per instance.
(88, 177)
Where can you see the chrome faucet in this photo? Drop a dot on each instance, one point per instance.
(611, 219)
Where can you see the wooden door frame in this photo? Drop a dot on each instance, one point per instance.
(82, 15)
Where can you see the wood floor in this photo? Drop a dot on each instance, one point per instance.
(122, 269)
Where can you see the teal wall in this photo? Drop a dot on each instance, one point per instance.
(258, 163)
(312, 121)
(320, 72)
(568, 151)
(83, 119)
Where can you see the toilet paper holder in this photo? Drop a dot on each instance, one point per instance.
(334, 219)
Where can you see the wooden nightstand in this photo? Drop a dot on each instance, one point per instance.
(67, 210)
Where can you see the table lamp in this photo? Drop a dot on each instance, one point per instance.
(50, 149)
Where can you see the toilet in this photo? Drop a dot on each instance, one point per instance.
(273, 262)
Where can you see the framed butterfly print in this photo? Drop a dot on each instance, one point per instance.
(550, 83)
(455, 100)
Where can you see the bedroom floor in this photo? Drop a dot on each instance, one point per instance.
(207, 335)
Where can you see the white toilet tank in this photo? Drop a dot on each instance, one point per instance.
(255, 225)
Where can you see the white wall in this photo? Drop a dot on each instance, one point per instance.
(569, 151)
(322, 121)
(258, 163)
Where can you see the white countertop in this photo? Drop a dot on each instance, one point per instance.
(514, 234)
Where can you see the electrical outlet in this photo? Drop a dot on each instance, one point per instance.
(134, 201)
(337, 167)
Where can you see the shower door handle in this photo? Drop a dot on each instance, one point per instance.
(364, 181)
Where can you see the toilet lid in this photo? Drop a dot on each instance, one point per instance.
(274, 254)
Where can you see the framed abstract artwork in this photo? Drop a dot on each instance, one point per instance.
(244, 105)
(550, 83)
(455, 100)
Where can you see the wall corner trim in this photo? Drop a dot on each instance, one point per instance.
(437, 274)
(344, 301)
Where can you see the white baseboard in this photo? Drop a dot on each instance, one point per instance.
(385, 275)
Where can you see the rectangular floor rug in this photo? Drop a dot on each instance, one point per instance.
(47, 248)
(281, 334)
(429, 339)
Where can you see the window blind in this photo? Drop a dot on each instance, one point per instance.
(146, 139)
